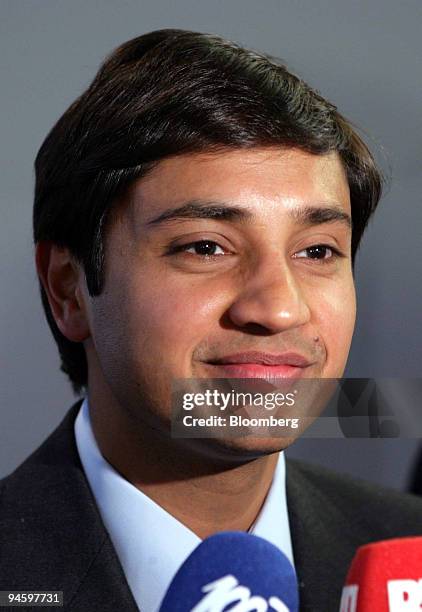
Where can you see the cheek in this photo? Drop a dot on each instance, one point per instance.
(334, 315)
(162, 322)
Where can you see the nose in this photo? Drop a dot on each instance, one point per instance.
(271, 300)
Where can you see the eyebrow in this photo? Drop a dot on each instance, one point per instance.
(311, 215)
(199, 209)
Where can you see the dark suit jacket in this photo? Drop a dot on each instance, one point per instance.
(416, 476)
(52, 536)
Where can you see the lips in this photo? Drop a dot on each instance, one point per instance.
(257, 364)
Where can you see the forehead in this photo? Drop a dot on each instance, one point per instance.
(272, 176)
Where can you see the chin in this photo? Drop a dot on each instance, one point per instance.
(239, 449)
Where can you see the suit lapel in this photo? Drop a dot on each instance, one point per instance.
(323, 546)
(57, 540)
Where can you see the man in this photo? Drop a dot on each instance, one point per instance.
(197, 213)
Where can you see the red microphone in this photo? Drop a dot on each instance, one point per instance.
(385, 577)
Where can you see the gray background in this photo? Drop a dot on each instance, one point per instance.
(365, 56)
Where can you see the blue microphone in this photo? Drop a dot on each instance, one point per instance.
(233, 571)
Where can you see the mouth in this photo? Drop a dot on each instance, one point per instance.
(255, 364)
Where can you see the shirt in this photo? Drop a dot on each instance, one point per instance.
(150, 543)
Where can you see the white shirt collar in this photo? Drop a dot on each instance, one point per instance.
(140, 529)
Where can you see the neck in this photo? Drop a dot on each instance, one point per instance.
(205, 494)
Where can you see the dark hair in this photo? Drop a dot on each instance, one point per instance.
(166, 93)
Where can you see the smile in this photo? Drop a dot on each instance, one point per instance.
(256, 364)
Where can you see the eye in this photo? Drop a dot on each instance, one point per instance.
(318, 251)
(204, 248)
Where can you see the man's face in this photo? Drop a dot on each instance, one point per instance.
(185, 291)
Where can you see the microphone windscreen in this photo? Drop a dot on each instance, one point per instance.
(233, 570)
(385, 576)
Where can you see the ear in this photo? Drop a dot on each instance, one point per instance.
(62, 279)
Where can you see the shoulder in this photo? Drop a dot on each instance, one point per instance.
(389, 512)
(56, 457)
